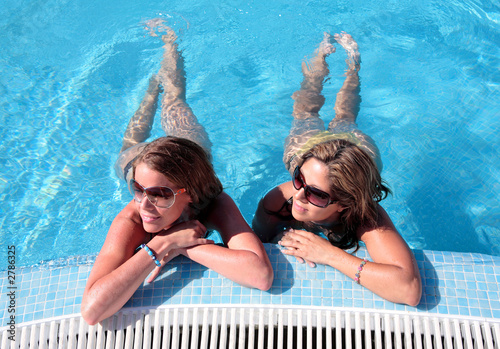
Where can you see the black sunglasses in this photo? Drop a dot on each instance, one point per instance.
(315, 196)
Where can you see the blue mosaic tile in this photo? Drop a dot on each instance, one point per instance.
(453, 283)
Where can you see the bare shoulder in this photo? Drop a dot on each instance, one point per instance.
(266, 224)
(222, 205)
(275, 198)
(226, 218)
(224, 214)
(125, 233)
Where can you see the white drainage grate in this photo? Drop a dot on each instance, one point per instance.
(250, 327)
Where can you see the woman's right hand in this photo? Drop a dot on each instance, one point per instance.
(186, 234)
(181, 236)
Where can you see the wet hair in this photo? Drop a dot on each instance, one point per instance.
(187, 165)
(356, 184)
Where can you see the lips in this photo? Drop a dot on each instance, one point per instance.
(149, 219)
(298, 208)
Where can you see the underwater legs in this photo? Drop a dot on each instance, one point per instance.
(348, 98)
(139, 126)
(177, 118)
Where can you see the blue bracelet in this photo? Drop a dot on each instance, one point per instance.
(147, 249)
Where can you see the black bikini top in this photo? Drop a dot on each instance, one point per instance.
(286, 207)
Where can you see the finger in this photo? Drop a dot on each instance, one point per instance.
(203, 241)
(203, 229)
(297, 234)
(288, 232)
(284, 240)
(290, 252)
(299, 259)
(154, 274)
(292, 236)
(289, 243)
(311, 264)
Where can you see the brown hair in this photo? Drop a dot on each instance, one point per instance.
(187, 165)
(356, 183)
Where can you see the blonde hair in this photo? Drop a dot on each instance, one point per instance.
(187, 165)
(356, 184)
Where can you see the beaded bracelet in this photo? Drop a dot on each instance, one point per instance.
(360, 269)
(148, 250)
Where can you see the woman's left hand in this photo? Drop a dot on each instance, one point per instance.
(307, 246)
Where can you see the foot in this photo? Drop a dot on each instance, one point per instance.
(351, 47)
(170, 36)
(317, 67)
(156, 27)
(326, 47)
(154, 87)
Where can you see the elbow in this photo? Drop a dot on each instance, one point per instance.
(265, 285)
(89, 321)
(89, 313)
(87, 316)
(266, 280)
(414, 299)
(413, 292)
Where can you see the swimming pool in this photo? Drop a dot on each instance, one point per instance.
(74, 72)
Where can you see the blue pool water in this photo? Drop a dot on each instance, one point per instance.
(73, 72)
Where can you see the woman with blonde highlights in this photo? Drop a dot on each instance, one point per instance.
(335, 190)
(176, 197)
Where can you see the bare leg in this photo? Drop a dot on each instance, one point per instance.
(138, 129)
(177, 118)
(348, 98)
(308, 102)
(139, 126)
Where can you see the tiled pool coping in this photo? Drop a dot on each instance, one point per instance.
(457, 284)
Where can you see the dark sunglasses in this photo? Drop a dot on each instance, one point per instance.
(162, 197)
(315, 196)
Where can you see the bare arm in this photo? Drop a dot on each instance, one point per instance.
(244, 260)
(118, 272)
(267, 225)
(393, 274)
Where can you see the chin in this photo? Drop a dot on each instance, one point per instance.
(151, 229)
(298, 217)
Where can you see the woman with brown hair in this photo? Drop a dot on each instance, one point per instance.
(176, 198)
(335, 190)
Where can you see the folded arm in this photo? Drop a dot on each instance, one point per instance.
(393, 274)
(119, 271)
(244, 260)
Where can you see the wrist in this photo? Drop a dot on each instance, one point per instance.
(151, 254)
(161, 245)
(181, 251)
(335, 256)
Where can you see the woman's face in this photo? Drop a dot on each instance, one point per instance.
(155, 219)
(315, 174)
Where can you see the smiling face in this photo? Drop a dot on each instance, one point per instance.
(155, 219)
(315, 174)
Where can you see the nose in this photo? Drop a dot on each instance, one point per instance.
(145, 203)
(301, 195)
